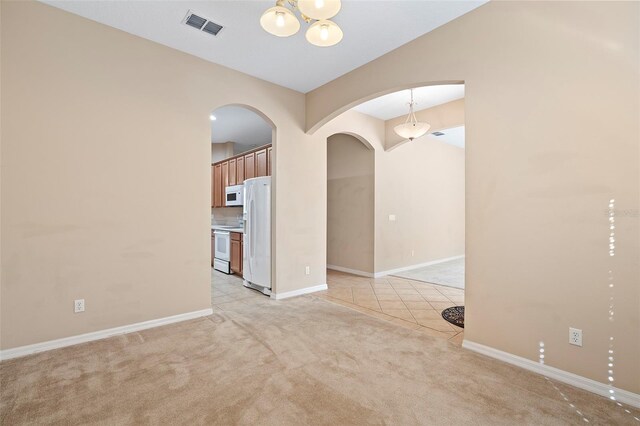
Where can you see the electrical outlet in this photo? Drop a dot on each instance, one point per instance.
(575, 336)
(413, 253)
(307, 270)
(78, 305)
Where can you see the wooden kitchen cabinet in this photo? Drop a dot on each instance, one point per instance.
(261, 162)
(213, 186)
(235, 170)
(225, 177)
(249, 166)
(232, 172)
(236, 253)
(217, 186)
(240, 170)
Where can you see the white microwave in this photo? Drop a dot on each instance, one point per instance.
(233, 195)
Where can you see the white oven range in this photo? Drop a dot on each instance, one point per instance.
(222, 253)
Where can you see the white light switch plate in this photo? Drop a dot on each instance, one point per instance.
(392, 218)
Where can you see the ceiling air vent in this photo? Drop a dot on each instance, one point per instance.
(212, 28)
(437, 134)
(201, 23)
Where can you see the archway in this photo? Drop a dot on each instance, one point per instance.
(350, 204)
(419, 218)
(242, 173)
(314, 124)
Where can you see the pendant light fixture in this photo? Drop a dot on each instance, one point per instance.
(319, 9)
(412, 128)
(324, 33)
(282, 22)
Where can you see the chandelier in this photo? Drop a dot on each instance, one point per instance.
(412, 128)
(282, 22)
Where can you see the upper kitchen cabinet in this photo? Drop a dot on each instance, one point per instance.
(225, 175)
(213, 186)
(239, 170)
(261, 162)
(235, 170)
(218, 189)
(249, 165)
(232, 172)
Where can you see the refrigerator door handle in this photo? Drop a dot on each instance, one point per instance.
(248, 227)
(252, 233)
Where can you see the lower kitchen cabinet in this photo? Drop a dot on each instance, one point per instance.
(236, 253)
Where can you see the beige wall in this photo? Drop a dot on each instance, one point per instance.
(1, 162)
(350, 203)
(106, 177)
(551, 114)
(421, 183)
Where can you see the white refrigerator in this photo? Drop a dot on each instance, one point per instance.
(256, 253)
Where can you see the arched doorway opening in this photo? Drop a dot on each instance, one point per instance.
(320, 117)
(350, 204)
(418, 211)
(242, 165)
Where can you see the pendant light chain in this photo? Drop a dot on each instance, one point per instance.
(412, 115)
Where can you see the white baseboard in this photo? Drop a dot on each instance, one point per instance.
(300, 292)
(350, 271)
(97, 335)
(419, 265)
(590, 385)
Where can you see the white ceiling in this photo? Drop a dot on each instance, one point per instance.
(396, 104)
(239, 125)
(453, 136)
(371, 29)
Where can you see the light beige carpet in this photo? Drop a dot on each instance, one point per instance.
(294, 362)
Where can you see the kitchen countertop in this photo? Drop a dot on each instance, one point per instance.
(226, 228)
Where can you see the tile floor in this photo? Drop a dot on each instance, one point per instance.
(410, 304)
(228, 292)
(449, 273)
